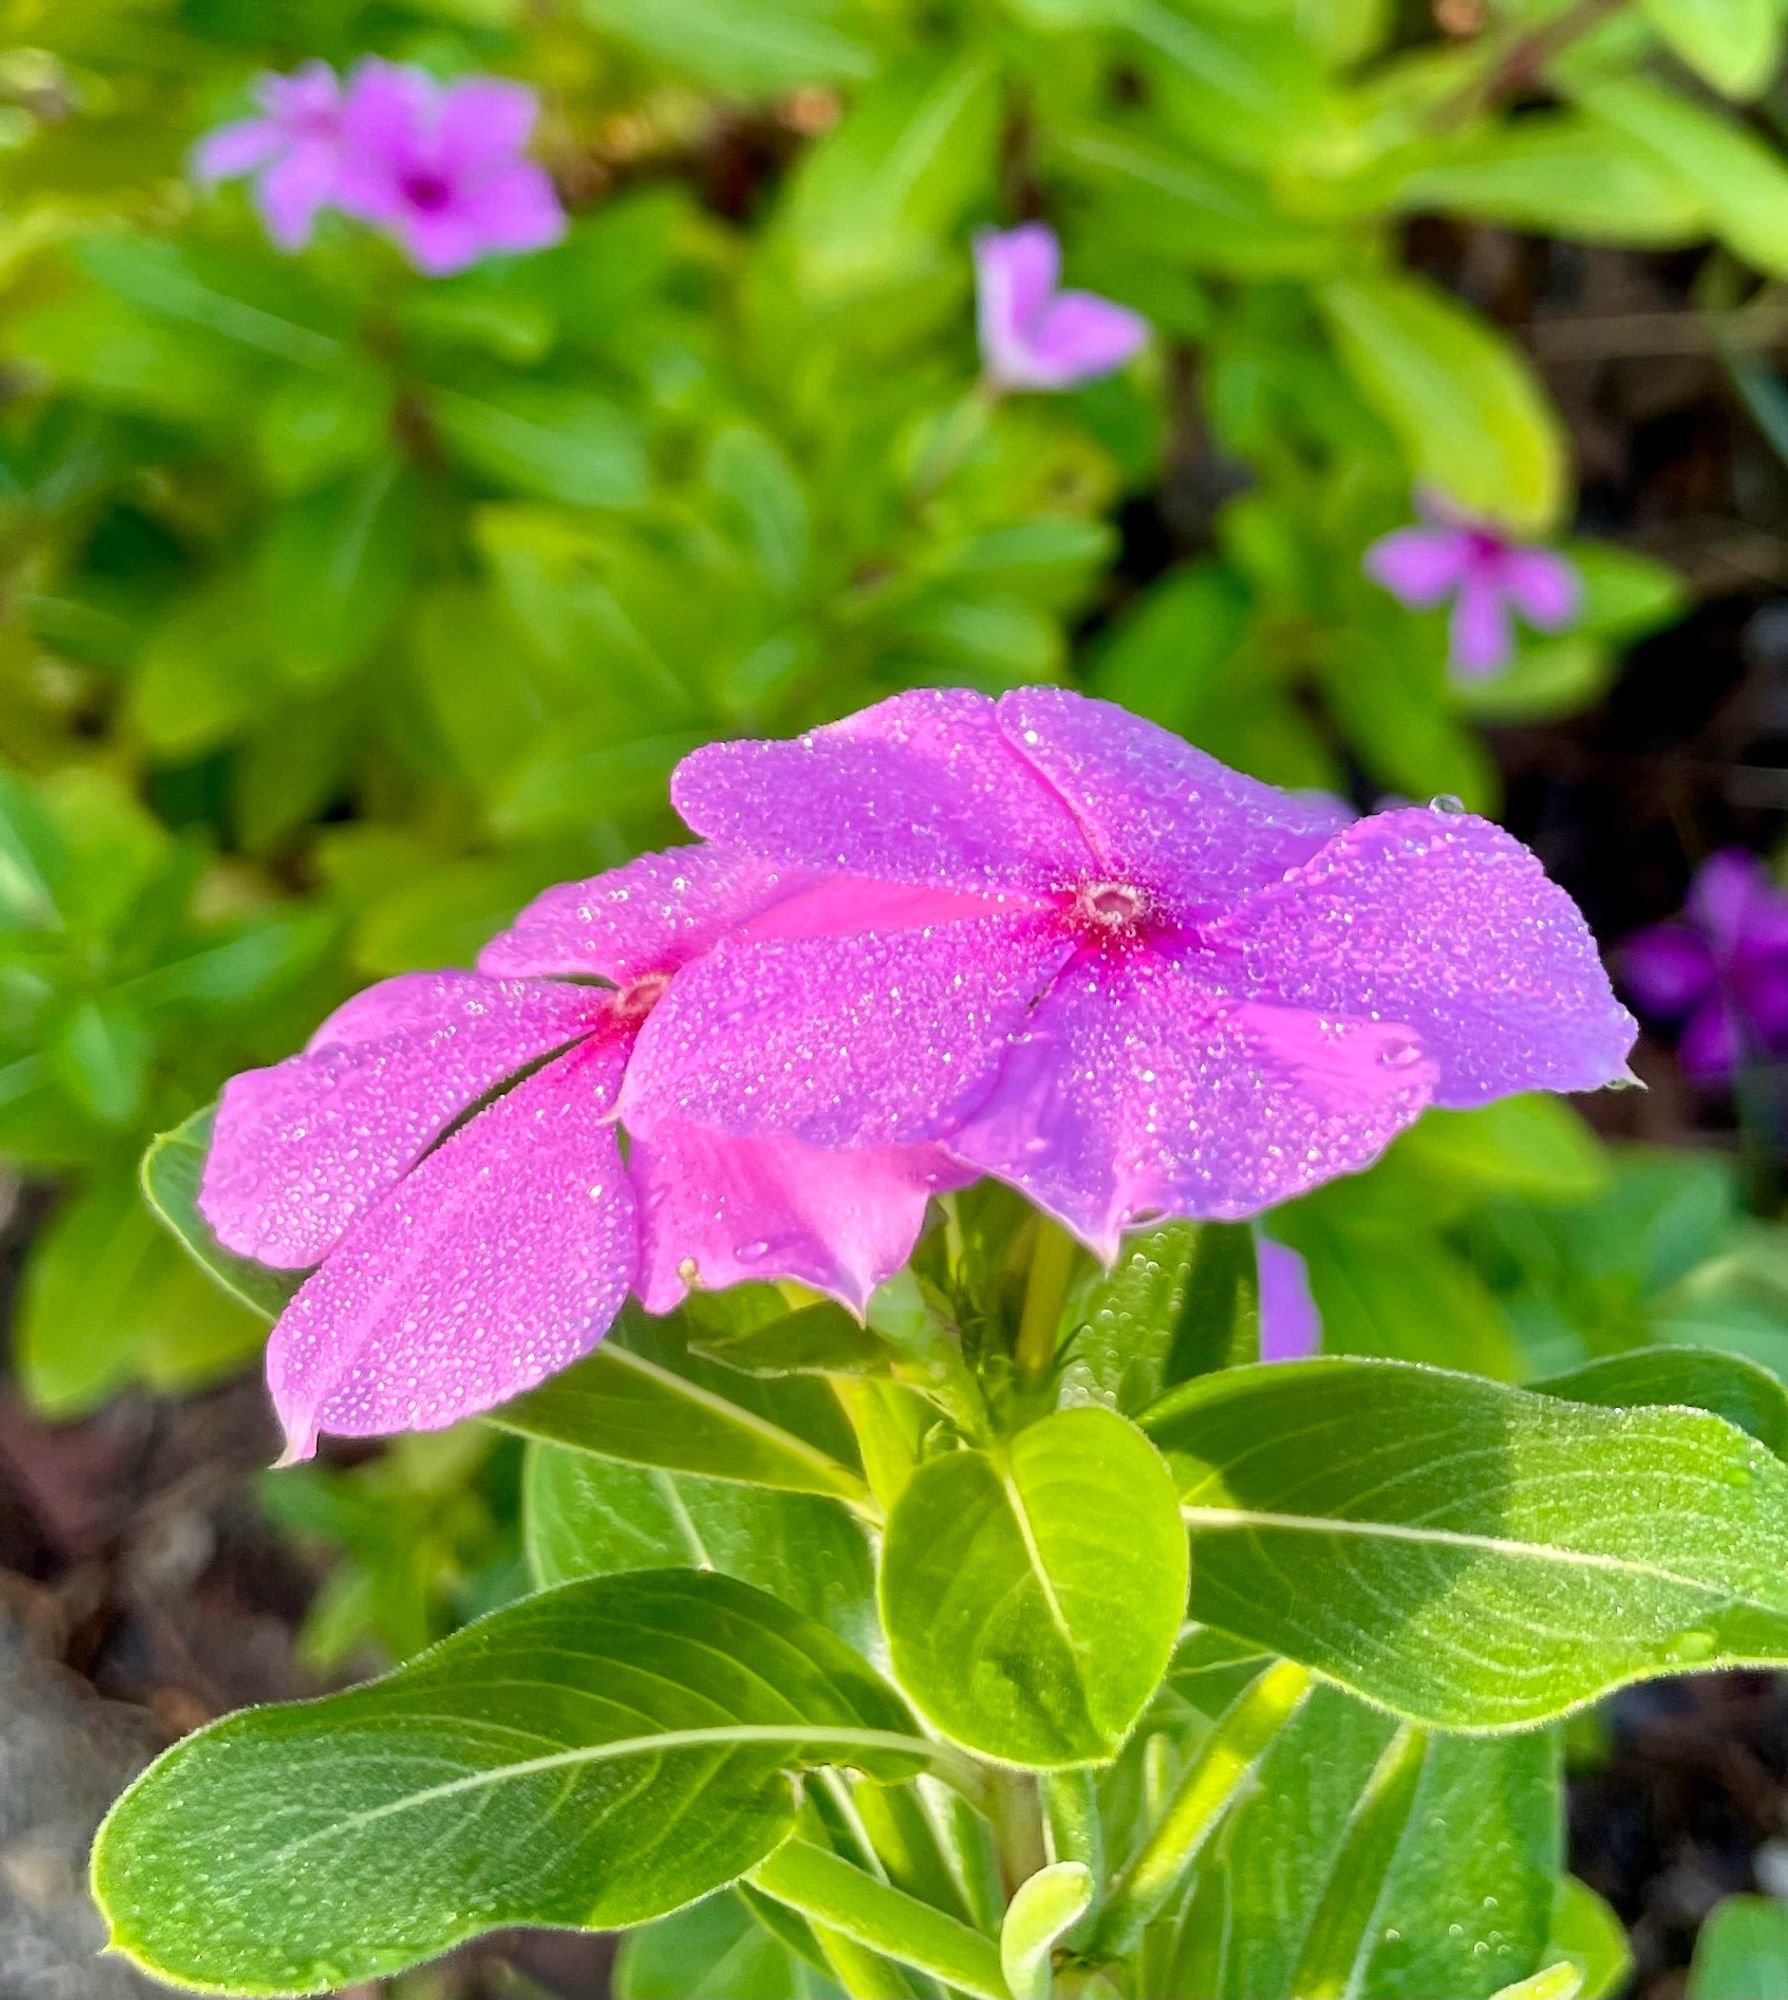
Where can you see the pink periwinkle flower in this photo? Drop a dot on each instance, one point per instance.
(455, 1271)
(1035, 335)
(1721, 970)
(442, 166)
(1490, 579)
(1087, 958)
(293, 150)
(1290, 1321)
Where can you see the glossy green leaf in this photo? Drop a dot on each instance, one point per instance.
(1470, 1555)
(669, 1408)
(1697, 1378)
(718, 1949)
(1588, 1933)
(588, 1516)
(1043, 1909)
(1031, 1595)
(171, 1171)
(1742, 1952)
(594, 1756)
(1467, 409)
(769, 46)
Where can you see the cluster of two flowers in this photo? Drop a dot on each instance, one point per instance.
(1035, 937)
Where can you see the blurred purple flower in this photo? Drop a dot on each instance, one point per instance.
(1087, 958)
(1034, 335)
(1489, 578)
(1722, 969)
(293, 149)
(442, 166)
(445, 1153)
(1290, 1324)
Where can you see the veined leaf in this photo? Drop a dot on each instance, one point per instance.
(1474, 1556)
(1743, 1392)
(1031, 1595)
(170, 1172)
(589, 1516)
(594, 1756)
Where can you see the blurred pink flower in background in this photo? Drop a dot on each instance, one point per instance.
(441, 167)
(293, 150)
(1490, 578)
(1721, 969)
(1290, 1324)
(1033, 334)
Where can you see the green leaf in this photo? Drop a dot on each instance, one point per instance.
(540, 438)
(587, 1516)
(770, 46)
(1742, 1952)
(100, 1054)
(1470, 1555)
(1043, 1909)
(829, 1891)
(591, 1757)
(1468, 410)
(1031, 1596)
(171, 1171)
(751, 471)
(1741, 181)
(718, 1949)
(1455, 1897)
(1736, 45)
(670, 1409)
(1589, 1934)
(334, 570)
(1741, 1391)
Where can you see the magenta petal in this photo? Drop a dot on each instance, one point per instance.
(236, 149)
(1419, 566)
(515, 210)
(301, 1150)
(483, 121)
(1736, 903)
(1543, 586)
(1481, 635)
(652, 915)
(1290, 1322)
(1447, 924)
(1015, 272)
(294, 191)
(1709, 1049)
(1078, 337)
(498, 1261)
(1158, 812)
(716, 1211)
(920, 788)
(1138, 1092)
(438, 244)
(879, 1039)
(1668, 969)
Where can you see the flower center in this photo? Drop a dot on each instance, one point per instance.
(633, 1003)
(1112, 909)
(428, 192)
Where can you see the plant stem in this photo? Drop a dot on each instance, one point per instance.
(1076, 1833)
(1017, 1816)
(1523, 61)
(832, 1894)
(1205, 1788)
(1045, 1291)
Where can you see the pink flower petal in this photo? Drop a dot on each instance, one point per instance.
(652, 915)
(301, 1150)
(1735, 902)
(1157, 812)
(1419, 566)
(1542, 585)
(1075, 338)
(1015, 272)
(920, 788)
(716, 1211)
(880, 1039)
(1709, 1046)
(1481, 635)
(499, 1260)
(294, 191)
(438, 243)
(515, 210)
(1290, 1323)
(1138, 1091)
(484, 121)
(236, 149)
(1445, 923)
(1668, 970)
